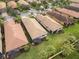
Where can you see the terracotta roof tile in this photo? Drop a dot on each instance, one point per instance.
(60, 18)
(12, 4)
(34, 29)
(14, 35)
(75, 1)
(68, 12)
(73, 6)
(48, 23)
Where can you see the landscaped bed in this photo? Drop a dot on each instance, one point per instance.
(53, 44)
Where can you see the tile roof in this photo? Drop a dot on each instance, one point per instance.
(12, 4)
(34, 29)
(14, 35)
(48, 23)
(68, 12)
(60, 18)
(76, 1)
(73, 6)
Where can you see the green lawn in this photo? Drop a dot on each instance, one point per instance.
(74, 55)
(44, 49)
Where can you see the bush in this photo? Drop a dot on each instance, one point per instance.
(72, 39)
(61, 3)
(77, 46)
(48, 51)
(17, 19)
(35, 5)
(23, 9)
(68, 49)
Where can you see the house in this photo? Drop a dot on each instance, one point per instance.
(14, 35)
(60, 18)
(35, 30)
(48, 23)
(68, 12)
(73, 6)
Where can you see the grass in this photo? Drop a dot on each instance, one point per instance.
(50, 46)
(74, 55)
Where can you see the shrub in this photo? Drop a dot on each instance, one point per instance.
(35, 5)
(23, 9)
(17, 19)
(61, 3)
(68, 49)
(48, 51)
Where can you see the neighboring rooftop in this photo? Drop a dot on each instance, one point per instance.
(14, 35)
(74, 5)
(49, 23)
(12, 4)
(34, 29)
(76, 1)
(60, 18)
(68, 12)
